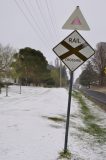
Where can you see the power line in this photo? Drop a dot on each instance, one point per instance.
(28, 20)
(36, 29)
(24, 15)
(51, 18)
(26, 6)
(33, 5)
(57, 38)
(58, 33)
(43, 18)
(35, 10)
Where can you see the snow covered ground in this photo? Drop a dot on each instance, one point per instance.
(27, 131)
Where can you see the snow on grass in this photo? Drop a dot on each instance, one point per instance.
(24, 134)
(92, 136)
(32, 126)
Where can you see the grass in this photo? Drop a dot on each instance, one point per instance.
(60, 119)
(84, 109)
(90, 121)
(55, 119)
(65, 155)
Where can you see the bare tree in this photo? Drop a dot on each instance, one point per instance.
(6, 55)
(100, 61)
(88, 76)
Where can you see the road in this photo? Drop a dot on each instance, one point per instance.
(96, 96)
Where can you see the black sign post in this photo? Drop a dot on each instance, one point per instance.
(68, 112)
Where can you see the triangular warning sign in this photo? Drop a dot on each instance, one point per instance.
(76, 21)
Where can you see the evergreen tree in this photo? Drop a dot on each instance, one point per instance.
(30, 66)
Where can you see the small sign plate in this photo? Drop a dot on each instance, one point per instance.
(76, 21)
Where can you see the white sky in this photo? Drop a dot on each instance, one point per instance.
(16, 30)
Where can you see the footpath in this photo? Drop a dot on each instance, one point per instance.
(98, 97)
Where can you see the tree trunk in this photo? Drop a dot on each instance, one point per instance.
(6, 90)
(101, 78)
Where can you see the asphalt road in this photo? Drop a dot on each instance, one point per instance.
(96, 96)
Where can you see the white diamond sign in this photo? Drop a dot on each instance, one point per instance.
(74, 50)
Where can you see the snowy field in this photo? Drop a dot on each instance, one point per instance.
(27, 131)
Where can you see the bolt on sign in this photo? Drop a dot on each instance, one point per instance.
(73, 50)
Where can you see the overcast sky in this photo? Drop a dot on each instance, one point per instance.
(38, 23)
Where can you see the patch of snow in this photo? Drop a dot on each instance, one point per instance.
(26, 134)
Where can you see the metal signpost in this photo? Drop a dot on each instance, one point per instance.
(68, 112)
(73, 52)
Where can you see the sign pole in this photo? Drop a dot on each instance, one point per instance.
(68, 112)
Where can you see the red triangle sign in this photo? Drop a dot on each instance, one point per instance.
(76, 21)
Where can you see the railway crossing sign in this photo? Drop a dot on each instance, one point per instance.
(73, 50)
(76, 21)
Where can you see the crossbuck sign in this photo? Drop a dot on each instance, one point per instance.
(73, 50)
